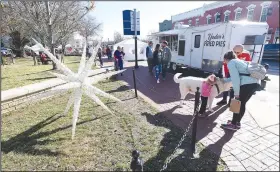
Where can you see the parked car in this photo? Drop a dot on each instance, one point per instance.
(28, 52)
(6, 52)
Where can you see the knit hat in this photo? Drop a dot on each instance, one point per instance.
(211, 79)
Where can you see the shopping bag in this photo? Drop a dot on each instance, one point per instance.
(235, 106)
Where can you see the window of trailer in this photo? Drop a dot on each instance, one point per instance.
(197, 41)
(181, 51)
(172, 41)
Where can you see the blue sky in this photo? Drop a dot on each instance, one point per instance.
(151, 13)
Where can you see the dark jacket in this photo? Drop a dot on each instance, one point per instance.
(108, 51)
(118, 55)
(99, 54)
(166, 55)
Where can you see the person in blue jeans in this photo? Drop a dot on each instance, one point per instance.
(157, 61)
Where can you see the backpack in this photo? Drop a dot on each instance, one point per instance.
(255, 70)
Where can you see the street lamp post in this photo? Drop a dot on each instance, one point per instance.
(135, 34)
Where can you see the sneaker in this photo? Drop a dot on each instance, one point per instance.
(229, 127)
(158, 81)
(163, 79)
(222, 102)
(202, 115)
(238, 125)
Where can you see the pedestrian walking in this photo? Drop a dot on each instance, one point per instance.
(90, 51)
(122, 51)
(99, 54)
(104, 51)
(109, 53)
(166, 57)
(149, 56)
(87, 52)
(2, 61)
(118, 59)
(242, 55)
(34, 56)
(157, 61)
(244, 87)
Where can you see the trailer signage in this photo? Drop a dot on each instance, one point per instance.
(215, 40)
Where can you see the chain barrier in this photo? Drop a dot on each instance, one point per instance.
(171, 157)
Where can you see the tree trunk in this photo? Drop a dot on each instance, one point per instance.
(62, 52)
(50, 41)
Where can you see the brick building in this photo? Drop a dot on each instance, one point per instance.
(222, 11)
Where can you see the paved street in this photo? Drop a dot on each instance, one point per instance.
(254, 147)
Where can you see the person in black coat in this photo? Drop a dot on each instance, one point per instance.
(157, 61)
(99, 54)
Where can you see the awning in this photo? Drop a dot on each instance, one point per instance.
(168, 33)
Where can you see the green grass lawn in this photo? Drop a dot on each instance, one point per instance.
(23, 72)
(36, 138)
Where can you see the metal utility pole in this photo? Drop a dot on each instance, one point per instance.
(135, 34)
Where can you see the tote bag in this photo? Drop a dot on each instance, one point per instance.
(235, 106)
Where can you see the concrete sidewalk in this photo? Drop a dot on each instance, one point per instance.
(252, 148)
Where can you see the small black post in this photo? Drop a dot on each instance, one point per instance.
(194, 126)
(263, 84)
(135, 89)
(136, 162)
(135, 36)
(266, 66)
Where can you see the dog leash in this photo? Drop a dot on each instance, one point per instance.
(216, 85)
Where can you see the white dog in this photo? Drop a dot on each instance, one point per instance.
(189, 84)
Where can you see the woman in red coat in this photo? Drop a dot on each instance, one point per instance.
(241, 54)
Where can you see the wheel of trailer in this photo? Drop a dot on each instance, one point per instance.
(173, 67)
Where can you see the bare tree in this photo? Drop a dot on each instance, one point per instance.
(118, 37)
(89, 27)
(52, 22)
(149, 36)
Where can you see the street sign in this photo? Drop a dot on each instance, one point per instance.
(128, 22)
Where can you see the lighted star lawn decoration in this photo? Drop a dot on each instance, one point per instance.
(80, 82)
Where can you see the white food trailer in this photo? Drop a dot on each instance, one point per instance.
(203, 47)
